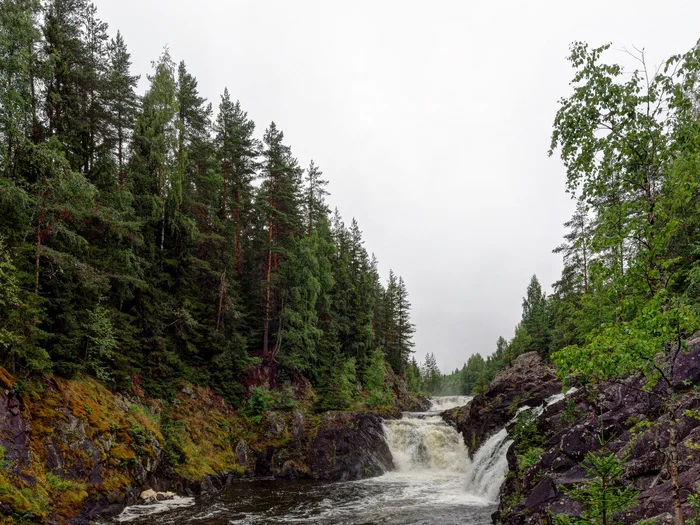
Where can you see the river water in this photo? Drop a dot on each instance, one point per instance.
(435, 482)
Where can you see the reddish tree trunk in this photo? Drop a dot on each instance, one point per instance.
(266, 330)
(39, 238)
(678, 518)
(222, 288)
(237, 239)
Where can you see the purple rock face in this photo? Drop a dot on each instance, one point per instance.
(687, 369)
(571, 428)
(14, 436)
(528, 381)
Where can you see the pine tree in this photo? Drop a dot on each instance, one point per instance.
(154, 162)
(238, 152)
(281, 189)
(18, 35)
(604, 495)
(405, 329)
(536, 317)
(314, 197)
(122, 101)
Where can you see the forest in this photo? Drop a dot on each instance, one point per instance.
(629, 290)
(161, 238)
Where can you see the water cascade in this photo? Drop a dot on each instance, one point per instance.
(489, 467)
(422, 443)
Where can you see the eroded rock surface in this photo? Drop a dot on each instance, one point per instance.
(527, 382)
(634, 422)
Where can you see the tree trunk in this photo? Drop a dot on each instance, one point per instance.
(38, 250)
(162, 206)
(120, 142)
(180, 168)
(237, 238)
(35, 125)
(266, 331)
(222, 288)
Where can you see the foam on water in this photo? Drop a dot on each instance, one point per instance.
(138, 511)
(434, 482)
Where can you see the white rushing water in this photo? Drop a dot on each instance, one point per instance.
(425, 447)
(489, 467)
(137, 511)
(440, 403)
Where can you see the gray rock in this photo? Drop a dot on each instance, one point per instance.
(350, 446)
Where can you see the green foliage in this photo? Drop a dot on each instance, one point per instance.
(570, 413)
(138, 432)
(263, 399)
(338, 388)
(18, 334)
(525, 432)
(430, 374)
(529, 458)
(694, 502)
(59, 484)
(413, 377)
(101, 344)
(379, 394)
(604, 495)
(136, 246)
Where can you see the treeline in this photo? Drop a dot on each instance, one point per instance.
(534, 333)
(154, 238)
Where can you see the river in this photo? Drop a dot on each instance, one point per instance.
(435, 482)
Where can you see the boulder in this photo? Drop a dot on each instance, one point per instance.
(349, 446)
(148, 495)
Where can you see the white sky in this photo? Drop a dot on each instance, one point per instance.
(430, 119)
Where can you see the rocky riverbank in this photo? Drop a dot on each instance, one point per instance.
(631, 420)
(527, 382)
(72, 450)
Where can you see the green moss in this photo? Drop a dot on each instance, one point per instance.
(529, 458)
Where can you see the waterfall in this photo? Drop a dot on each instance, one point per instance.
(422, 441)
(441, 403)
(489, 467)
(425, 447)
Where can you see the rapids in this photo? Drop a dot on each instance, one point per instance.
(434, 482)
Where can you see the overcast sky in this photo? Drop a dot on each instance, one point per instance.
(430, 119)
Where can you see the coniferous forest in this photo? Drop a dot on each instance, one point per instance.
(166, 237)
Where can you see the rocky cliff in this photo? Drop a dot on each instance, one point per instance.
(527, 382)
(631, 420)
(71, 450)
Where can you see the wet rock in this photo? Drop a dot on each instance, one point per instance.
(528, 381)
(687, 369)
(243, 452)
(349, 446)
(297, 424)
(634, 425)
(275, 424)
(543, 493)
(165, 496)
